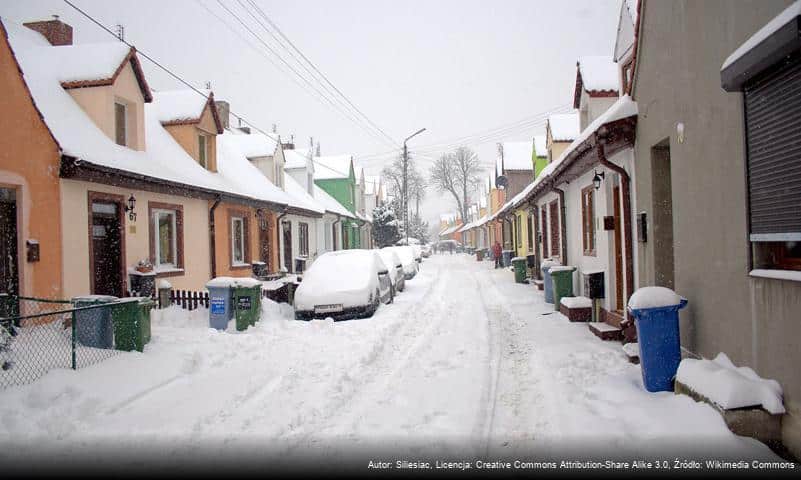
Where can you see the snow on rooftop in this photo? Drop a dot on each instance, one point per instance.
(518, 155)
(564, 126)
(252, 145)
(299, 197)
(85, 62)
(332, 166)
(295, 159)
(248, 180)
(180, 105)
(598, 73)
(78, 136)
(769, 29)
(540, 142)
(728, 386)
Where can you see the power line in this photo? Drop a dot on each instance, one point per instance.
(298, 74)
(314, 67)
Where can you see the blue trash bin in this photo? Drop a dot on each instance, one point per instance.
(660, 345)
(93, 327)
(220, 308)
(547, 280)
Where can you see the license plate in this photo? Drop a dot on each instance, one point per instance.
(328, 308)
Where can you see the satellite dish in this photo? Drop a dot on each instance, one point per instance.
(501, 182)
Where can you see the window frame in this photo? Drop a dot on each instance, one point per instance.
(588, 236)
(126, 137)
(303, 239)
(203, 150)
(244, 218)
(154, 208)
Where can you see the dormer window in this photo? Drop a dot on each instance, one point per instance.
(203, 150)
(121, 124)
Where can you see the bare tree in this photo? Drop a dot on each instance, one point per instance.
(393, 177)
(457, 172)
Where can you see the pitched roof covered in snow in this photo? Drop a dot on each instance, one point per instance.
(299, 197)
(598, 76)
(540, 145)
(247, 179)
(295, 159)
(330, 204)
(564, 127)
(164, 160)
(517, 155)
(180, 107)
(332, 166)
(626, 28)
(253, 144)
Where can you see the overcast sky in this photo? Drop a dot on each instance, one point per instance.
(457, 68)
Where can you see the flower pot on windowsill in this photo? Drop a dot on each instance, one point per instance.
(144, 268)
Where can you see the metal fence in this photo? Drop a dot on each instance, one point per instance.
(41, 335)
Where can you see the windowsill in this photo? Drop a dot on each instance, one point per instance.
(169, 272)
(791, 275)
(240, 266)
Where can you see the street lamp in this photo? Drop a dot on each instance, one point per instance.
(406, 183)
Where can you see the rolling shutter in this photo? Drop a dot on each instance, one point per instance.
(773, 132)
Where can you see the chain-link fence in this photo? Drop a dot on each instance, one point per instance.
(49, 334)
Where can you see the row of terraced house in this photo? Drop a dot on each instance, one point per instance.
(104, 180)
(679, 167)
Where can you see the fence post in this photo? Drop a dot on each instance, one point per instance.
(74, 341)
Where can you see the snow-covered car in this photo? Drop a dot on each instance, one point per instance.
(418, 252)
(343, 284)
(426, 250)
(406, 255)
(395, 267)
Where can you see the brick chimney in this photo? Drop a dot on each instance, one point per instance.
(224, 111)
(55, 31)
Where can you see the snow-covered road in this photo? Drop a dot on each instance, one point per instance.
(464, 364)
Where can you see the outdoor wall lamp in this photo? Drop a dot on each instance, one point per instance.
(130, 208)
(596, 180)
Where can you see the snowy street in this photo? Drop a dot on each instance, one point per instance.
(464, 364)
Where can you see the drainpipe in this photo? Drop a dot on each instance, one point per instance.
(212, 236)
(562, 223)
(625, 183)
(334, 240)
(278, 238)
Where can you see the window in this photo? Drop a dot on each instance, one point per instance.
(303, 238)
(238, 241)
(328, 243)
(203, 150)
(555, 232)
(530, 230)
(626, 70)
(544, 231)
(121, 123)
(588, 220)
(166, 236)
(518, 233)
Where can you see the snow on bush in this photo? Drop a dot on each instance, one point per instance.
(653, 297)
(728, 386)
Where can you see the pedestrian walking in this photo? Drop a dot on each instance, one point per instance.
(496, 252)
(450, 247)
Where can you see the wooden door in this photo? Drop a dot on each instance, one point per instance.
(264, 240)
(106, 244)
(9, 263)
(286, 232)
(618, 251)
(544, 233)
(555, 232)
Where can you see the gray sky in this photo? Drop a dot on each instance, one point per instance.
(457, 68)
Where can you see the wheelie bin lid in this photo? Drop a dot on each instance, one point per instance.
(655, 298)
(94, 299)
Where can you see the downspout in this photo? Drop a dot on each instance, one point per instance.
(335, 230)
(278, 238)
(212, 236)
(562, 223)
(625, 184)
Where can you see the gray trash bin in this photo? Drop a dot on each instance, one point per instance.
(220, 308)
(93, 327)
(547, 280)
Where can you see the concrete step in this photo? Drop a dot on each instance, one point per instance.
(539, 284)
(604, 331)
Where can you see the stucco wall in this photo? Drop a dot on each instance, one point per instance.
(341, 189)
(755, 322)
(29, 162)
(222, 244)
(75, 220)
(186, 136)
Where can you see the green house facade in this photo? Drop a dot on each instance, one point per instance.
(336, 176)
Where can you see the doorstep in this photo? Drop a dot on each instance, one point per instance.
(539, 284)
(604, 331)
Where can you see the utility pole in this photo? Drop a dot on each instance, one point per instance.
(405, 199)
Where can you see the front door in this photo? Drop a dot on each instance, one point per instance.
(618, 251)
(556, 245)
(286, 232)
(9, 266)
(264, 240)
(106, 244)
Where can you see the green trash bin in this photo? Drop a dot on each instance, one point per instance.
(247, 302)
(519, 264)
(131, 319)
(562, 283)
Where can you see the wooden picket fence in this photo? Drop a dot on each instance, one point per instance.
(189, 300)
